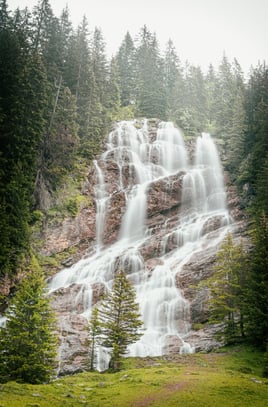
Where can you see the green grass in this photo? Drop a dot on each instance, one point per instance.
(231, 378)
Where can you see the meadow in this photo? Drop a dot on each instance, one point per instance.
(231, 377)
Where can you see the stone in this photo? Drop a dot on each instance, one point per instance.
(172, 344)
(73, 348)
(72, 232)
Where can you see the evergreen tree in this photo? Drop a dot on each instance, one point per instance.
(236, 141)
(227, 289)
(94, 336)
(99, 64)
(65, 32)
(112, 93)
(257, 286)
(80, 77)
(27, 345)
(252, 171)
(172, 77)
(119, 318)
(99, 102)
(5, 19)
(62, 139)
(211, 95)
(125, 60)
(23, 98)
(42, 19)
(224, 97)
(194, 101)
(237, 122)
(261, 187)
(150, 90)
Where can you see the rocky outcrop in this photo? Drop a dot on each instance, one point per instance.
(78, 231)
(163, 196)
(115, 210)
(73, 343)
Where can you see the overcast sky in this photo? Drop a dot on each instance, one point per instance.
(201, 30)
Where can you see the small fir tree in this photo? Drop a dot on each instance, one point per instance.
(120, 319)
(27, 344)
(227, 289)
(94, 334)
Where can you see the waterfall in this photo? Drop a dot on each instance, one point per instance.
(101, 202)
(148, 159)
(2, 321)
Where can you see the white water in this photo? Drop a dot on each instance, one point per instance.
(166, 314)
(2, 321)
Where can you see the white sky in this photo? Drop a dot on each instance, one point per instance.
(201, 30)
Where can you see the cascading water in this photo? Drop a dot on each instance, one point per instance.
(147, 159)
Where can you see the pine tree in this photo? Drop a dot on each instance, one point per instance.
(61, 140)
(94, 336)
(23, 99)
(172, 73)
(224, 96)
(236, 141)
(194, 100)
(257, 285)
(227, 287)
(211, 89)
(119, 318)
(112, 93)
(125, 60)
(5, 20)
(99, 64)
(150, 90)
(27, 345)
(42, 17)
(252, 170)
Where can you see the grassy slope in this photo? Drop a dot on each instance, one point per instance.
(230, 379)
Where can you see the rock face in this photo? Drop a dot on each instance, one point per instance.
(73, 231)
(160, 214)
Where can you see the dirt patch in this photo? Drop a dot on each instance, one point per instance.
(166, 391)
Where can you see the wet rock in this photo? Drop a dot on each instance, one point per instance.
(115, 210)
(68, 299)
(73, 231)
(164, 194)
(172, 344)
(152, 263)
(73, 349)
(98, 290)
(196, 270)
